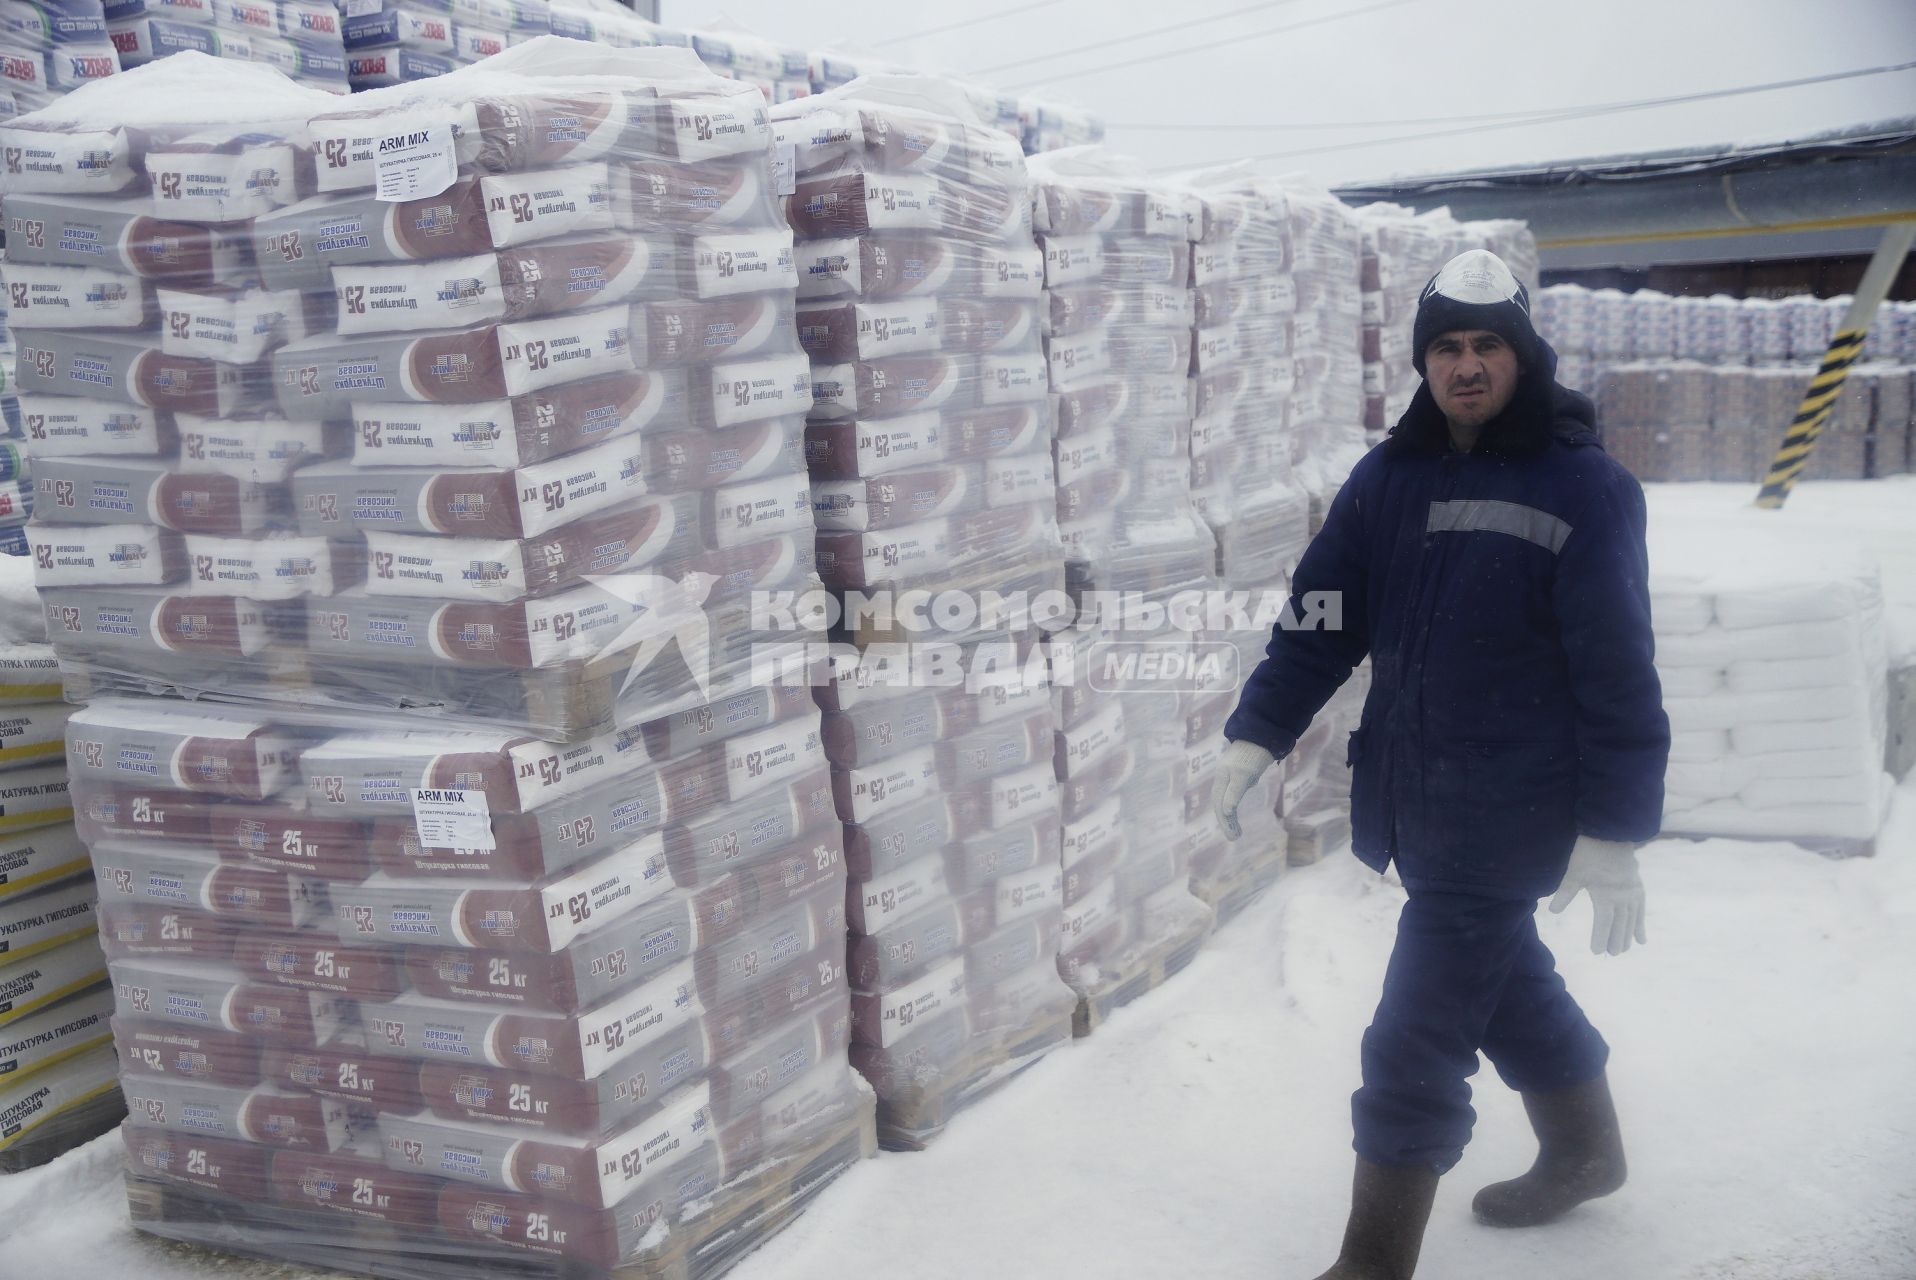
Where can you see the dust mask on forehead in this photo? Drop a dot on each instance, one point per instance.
(1474, 290)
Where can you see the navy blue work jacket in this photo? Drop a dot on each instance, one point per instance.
(1501, 595)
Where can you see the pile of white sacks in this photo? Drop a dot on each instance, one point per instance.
(1775, 679)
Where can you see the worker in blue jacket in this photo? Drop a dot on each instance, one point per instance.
(1491, 563)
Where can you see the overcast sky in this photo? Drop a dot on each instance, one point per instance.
(1395, 60)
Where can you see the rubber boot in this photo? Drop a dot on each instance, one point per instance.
(1390, 1205)
(1579, 1157)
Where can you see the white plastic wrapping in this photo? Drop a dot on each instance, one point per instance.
(1687, 420)
(482, 910)
(1778, 704)
(51, 47)
(1327, 396)
(1757, 354)
(930, 446)
(299, 38)
(1121, 332)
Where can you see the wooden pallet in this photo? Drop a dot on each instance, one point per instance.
(1314, 836)
(1833, 847)
(1229, 894)
(911, 1120)
(761, 1208)
(1145, 973)
(750, 1211)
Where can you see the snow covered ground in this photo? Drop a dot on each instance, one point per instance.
(1764, 1050)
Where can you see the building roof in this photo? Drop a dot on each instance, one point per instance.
(1822, 193)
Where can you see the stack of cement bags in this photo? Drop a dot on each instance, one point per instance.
(58, 1077)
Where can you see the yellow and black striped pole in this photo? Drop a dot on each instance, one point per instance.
(1844, 349)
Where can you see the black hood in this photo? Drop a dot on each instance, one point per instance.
(1541, 410)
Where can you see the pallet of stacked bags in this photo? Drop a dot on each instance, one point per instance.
(1327, 393)
(933, 484)
(302, 39)
(49, 48)
(390, 42)
(16, 471)
(1775, 679)
(1246, 486)
(1119, 333)
(480, 909)
(59, 1084)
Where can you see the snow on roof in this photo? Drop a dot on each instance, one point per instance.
(1879, 136)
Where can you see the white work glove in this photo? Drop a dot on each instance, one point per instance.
(1242, 764)
(1608, 869)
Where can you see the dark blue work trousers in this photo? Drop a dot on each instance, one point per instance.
(1468, 973)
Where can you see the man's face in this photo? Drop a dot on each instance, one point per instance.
(1472, 373)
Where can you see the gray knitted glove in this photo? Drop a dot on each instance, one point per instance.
(1242, 764)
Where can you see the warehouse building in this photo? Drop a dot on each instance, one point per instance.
(1764, 220)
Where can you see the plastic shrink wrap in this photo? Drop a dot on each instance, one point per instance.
(930, 443)
(1055, 126)
(1739, 369)
(1775, 679)
(1327, 396)
(49, 48)
(1248, 484)
(58, 1085)
(304, 39)
(608, 22)
(390, 42)
(1244, 449)
(480, 910)
(16, 472)
(1119, 324)
(781, 73)
(1037, 124)
(1687, 420)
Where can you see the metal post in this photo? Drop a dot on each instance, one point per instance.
(1811, 416)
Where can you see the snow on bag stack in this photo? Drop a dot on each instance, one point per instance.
(481, 911)
(933, 480)
(1118, 319)
(1774, 672)
(58, 1078)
